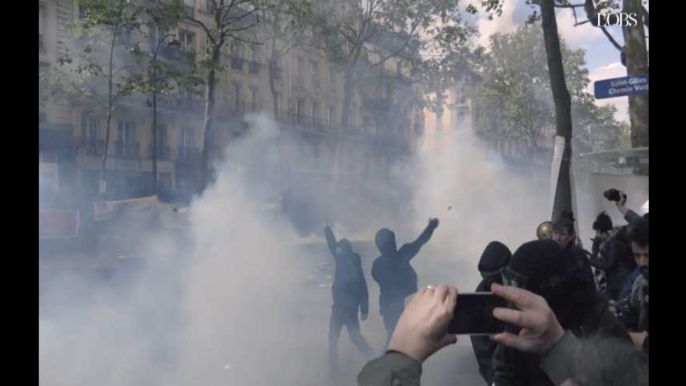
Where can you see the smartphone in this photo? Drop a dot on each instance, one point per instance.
(474, 314)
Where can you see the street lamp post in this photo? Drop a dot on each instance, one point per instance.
(173, 43)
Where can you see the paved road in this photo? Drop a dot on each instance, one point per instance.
(141, 332)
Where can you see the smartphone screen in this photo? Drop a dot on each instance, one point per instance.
(474, 314)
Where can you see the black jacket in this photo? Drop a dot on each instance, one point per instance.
(578, 273)
(512, 367)
(615, 258)
(483, 346)
(349, 289)
(392, 270)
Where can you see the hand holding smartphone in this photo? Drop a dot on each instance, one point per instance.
(474, 314)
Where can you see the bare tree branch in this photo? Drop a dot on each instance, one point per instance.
(236, 37)
(573, 6)
(611, 39)
(582, 23)
(405, 43)
(204, 27)
(236, 20)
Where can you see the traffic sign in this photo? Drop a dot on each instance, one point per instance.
(618, 87)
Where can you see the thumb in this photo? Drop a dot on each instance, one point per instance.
(508, 339)
(447, 340)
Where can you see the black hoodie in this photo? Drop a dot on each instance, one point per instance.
(392, 270)
(349, 289)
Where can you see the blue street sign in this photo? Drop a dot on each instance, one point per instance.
(618, 87)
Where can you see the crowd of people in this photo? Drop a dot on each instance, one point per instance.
(574, 318)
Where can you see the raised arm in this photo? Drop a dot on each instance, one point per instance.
(629, 215)
(330, 240)
(410, 250)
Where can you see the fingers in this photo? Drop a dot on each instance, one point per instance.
(448, 339)
(441, 293)
(451, 299)
(521, 298)
(512, 316)
(508, 339)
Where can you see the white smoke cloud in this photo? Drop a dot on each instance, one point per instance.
(500, 24)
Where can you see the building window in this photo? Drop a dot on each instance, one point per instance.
(187, 138)
(211, 6)
(314, 65)
(253, 99)
(332, 75)
(332, 114)
(301, 65)
(237, 49)
(462, 96)
(253, 53)
(127, 131)
(299, 110)
(187, 40)
(90, 129)
(315, 110)
(161, 142)
(236, 95)
(460, 119)
(126, 144)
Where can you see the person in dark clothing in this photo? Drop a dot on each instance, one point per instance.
(611, 253)
(578, 269)
(639, 238)
(542, 268)
(493, 259)
(396, 277)
(633, 306)
(349, 291)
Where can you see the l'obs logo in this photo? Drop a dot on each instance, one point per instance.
(618, 19)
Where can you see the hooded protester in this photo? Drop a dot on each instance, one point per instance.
(396, 277)
(541, 267)
(349, 291)
(611, 254)
(577, 268)
(493, 259)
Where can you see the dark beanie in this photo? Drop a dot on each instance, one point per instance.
(538, 260)
(495, 256)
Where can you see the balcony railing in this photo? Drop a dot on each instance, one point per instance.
(189, 154)
(176, 54)
(179, 103)
(95, 148)
(254, 68)
(128, 150)
(311, 123)
(299, 81)
(163, 152)
(237, 63)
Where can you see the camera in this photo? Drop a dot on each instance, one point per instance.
(612, 195)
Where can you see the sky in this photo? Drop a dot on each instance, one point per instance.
(602, 59)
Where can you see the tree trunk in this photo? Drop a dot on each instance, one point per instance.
(210, 82)
(154, 133)
(110, 107)
(637, 63)
(103, 170)
(275, 109)
(345, 122)
(563, 104)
